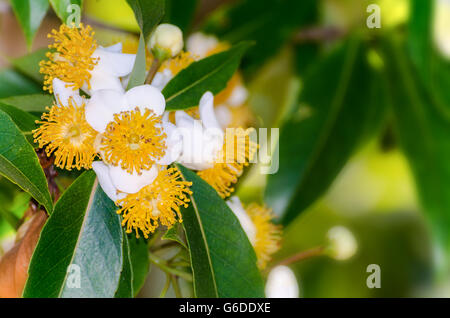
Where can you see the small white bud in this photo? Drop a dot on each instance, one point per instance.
(342, 243)
(166, 41)
(442, 26)
(281, 283)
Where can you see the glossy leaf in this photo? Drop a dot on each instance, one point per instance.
(223, 260)
(20, 164)
(319, 138)
(125, 288)
(24, 121)
(34, 103)
(148, 13)
(423, 128)
(140, 261)
(13, 83)
(173, 234)
(210, 74)
(82, 235)
(138, 74)
(62, 9)
(29, 13)
(29, 64)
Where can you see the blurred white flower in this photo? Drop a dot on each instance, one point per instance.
(282, 283)
(442, 26)
(342, 243)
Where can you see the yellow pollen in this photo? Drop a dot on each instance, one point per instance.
(64, 132)
(268, 235)
(156, 204)
(134, 140)
(70, 57)
(238, 150)
(178, 63)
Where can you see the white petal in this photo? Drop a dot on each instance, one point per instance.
(116, 48)
(224, 116)
(200, 44)
(114, 64)
(183, 120)
(174, 144)
(102, 171)
(132, 183)
(207, 114)
(246, 222)
(63, 93)
(101, 81)
(238, 96)
(281, 283)
(146, 97)
(101, 108)
(161, 79)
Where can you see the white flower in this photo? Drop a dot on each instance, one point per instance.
(442, 26)
(200, 44)
(342, 243)
(281, 283)
(112, 65)
(166, 41)
(104, 104)
(63, 94)
(202, 140)
(117, 183)
(244, 219)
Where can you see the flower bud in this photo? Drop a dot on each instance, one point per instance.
(281, 283)
(342, 243)
(166, 41)
(442, 27)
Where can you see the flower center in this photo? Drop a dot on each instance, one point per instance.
(134, 140)
(70, 57)
(65, 133)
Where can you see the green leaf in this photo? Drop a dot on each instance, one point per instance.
(84, 231)
(316, 142)
(173, 234)
(180, 13)
(430, 64)
(138, 74)
(29, 65)
(269, 23)
(24, 121)
(20, 164)
(30, 14)
(210, 74)
(61, 8)
(223, 260)
(13, 83)
(148, 13)
(34, 103)
(423, 128)
(140, 261)
(125, 289)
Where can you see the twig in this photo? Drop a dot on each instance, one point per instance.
(313, 252)
(162, 264)
(153, 70)
(318, 34)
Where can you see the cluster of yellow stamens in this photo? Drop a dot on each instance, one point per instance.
(178, 63)
(237, 152)
(134, 140)
(70, 57)
(157, 204)
(65, 132)
(268, 235)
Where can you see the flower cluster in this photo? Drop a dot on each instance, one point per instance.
(129, 139)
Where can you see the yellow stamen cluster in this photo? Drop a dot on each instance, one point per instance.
(65, 132)
(157, 204)
(268, 235)
(238, 150)
(134, 140)
(178, 63)
(70, 57)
